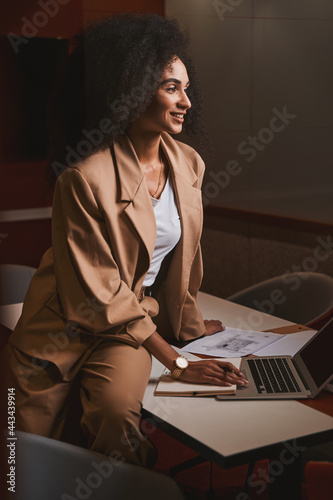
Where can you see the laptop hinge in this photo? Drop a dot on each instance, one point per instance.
(300, 376)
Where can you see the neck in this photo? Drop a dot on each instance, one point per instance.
(146, 145)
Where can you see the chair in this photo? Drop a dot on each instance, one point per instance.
(14, 282)
(302, 298)
(53, 470)
(318, 480)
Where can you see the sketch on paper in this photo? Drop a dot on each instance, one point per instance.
(232, 342)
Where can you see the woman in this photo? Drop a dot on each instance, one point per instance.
(125, 264)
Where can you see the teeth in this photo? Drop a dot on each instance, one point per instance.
(178, 115)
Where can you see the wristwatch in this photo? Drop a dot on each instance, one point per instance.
(181, 364)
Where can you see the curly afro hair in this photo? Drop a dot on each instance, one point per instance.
(110, 77)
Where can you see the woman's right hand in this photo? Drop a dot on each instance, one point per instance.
(214, 372)
(205, 371)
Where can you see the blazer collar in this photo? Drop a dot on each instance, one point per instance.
(178, 162)
(129, 171)
(131, 175)
(188, 197)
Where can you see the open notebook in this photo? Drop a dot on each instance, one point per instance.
(167, 386)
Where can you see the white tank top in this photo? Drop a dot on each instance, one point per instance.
(168, 229)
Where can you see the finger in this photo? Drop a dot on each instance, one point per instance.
(234, 376)
(236, 380)
(218, 381)
(221, 370)
(229, 366)
(215, 374)
(225, 375)
(238, 377)
(218, 368)
(215, 322)
(231, 376)
(232, 368)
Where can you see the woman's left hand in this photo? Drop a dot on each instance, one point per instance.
(213, 326)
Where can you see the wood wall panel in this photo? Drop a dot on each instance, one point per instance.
(56, 19)
(62, 18)
(23, 183)
(100, 8)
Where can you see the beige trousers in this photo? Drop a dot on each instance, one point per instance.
(111, 383)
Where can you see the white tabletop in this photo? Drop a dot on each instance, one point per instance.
(227, 431)
(221, 429)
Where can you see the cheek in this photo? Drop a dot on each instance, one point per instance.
(165, 104)
(163, 111)
(160, 108)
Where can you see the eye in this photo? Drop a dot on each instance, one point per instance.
(172, 89)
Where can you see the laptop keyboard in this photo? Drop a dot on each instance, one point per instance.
(273, 375)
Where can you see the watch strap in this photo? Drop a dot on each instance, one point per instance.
(177, 372)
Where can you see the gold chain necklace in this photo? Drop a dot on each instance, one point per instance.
(159, 179)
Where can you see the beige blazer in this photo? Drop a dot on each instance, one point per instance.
(103, 236)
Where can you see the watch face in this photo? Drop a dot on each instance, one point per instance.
(181, 363)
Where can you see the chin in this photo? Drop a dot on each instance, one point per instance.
(174, 130)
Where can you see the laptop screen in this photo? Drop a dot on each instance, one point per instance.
(317, 354)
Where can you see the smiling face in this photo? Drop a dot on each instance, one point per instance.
(166, 112)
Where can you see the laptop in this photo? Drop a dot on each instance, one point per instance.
(289, 377)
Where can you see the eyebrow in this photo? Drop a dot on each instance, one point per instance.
(174, 80)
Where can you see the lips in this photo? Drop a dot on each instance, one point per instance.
(178, 116)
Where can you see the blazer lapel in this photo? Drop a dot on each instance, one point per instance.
(190, 210)
(135, 196)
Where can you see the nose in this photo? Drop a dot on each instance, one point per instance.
(184, 101)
